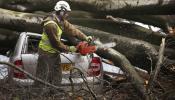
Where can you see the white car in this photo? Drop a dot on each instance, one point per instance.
(25, 56)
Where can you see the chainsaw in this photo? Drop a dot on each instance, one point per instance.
(85, 48)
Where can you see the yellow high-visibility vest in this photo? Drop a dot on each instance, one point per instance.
(45, 43)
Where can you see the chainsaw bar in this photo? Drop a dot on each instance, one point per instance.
(107, 45)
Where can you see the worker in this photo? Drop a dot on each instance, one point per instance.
(50, 46)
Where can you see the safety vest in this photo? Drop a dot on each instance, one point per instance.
(45, 43)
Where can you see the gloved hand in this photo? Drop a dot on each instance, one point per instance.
(72, 49)
(89, 38)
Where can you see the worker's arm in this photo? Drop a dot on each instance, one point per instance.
(51, 30)
(70, 29)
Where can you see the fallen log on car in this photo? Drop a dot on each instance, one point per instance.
(123, 62)
(32, 23)
(135, 50)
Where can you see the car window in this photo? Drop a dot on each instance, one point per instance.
(32, 46)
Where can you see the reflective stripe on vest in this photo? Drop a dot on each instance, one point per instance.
(45, 43)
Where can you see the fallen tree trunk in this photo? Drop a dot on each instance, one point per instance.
(6, 34)
(121, 28)
(155, 20)
(136, 51)
(123, 8)
(121, 60)
(20, 21)
(31, 22)
(8, 40)
(126, 6)
(169, 53)
(105, 6)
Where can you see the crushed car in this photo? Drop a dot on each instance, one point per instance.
(25, 56)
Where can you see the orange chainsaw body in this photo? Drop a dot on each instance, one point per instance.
(85, 48)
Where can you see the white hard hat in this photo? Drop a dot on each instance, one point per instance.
(62, 5)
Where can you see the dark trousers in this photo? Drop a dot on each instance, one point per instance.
(48, 68)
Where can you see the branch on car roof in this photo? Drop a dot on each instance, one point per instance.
(33, 77)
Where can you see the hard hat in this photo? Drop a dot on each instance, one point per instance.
(62, 5)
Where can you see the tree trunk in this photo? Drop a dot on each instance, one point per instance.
(116, 7)
(121, 60)
(31, 22)
(121, 28)
(160, 21)
(7, 40)
(123, 7)
(20, 21)
(136, 51)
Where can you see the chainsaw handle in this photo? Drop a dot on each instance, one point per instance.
(92, 41)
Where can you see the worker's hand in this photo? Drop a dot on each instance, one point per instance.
(89, 38)
(72, 49)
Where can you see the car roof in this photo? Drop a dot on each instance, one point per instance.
(31, 34)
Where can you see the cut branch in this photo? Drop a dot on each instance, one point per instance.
(154, 74)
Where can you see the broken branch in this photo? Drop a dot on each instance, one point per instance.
(33, 77)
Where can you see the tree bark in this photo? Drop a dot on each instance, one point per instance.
(121, 28)
(120, 7)
(136, 51)
(31, 22)
(121, 60)
(104, 7)
(8, 39)
(169, 53)
(20, 21)
(160, 21)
